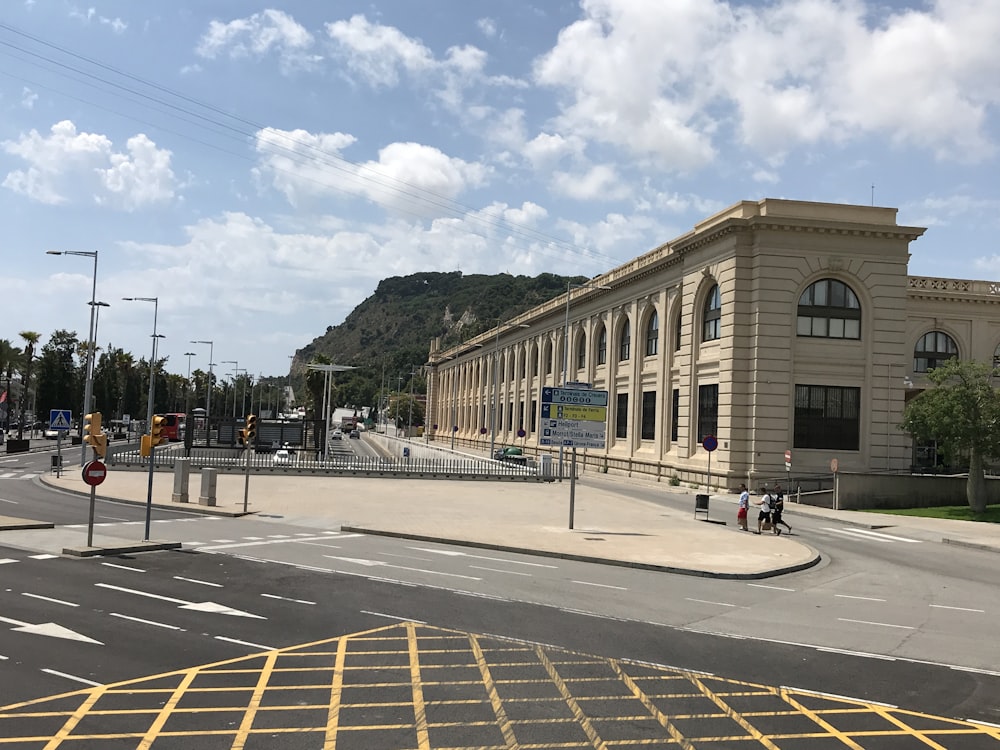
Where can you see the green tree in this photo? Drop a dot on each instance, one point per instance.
(58, 384)
(30, 339)
(962, 413)
(10, 360)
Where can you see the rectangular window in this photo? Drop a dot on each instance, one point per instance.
(520, 415)
(510, 416)
(581, 357)
(534, 416)
(827, 417)
(708, 411)
(621, 416)
(649, 415)
(675, 407)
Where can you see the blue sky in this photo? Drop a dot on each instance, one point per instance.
(260, 167)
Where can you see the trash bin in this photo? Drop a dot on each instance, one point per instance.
(700, 505)
(56, 462)
(406, 452)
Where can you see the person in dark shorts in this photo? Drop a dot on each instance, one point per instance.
(765, 513)
(777, 508)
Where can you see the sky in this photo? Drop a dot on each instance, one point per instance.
(260, 167)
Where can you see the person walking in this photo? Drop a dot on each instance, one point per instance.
(765, 513)
(741, 514)
(777, 508)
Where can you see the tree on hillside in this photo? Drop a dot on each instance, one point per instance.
(962, 413)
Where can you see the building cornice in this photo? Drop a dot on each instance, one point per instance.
(953, 290)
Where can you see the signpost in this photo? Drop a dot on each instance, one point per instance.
(60, 419)
(788, 472)
(574, 416)
(94, 472)
(709, 443)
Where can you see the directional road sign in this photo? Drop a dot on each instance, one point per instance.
(60, 419)
(574, 417)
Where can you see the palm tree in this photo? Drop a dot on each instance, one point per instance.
(30, 340)
(10, 357)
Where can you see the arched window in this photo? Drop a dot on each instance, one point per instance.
(712, 319)
(677, 332)
(625, 343)
(581, 352)
(996, 358)
(829, 309)
(547, 356)
(932, 350)
(652, 334)
(602, 347)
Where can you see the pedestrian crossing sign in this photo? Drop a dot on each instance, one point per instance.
(59, 419)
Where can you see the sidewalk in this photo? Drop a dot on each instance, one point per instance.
(531, 517)
(611, 524)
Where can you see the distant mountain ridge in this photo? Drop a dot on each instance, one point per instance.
(394, 326)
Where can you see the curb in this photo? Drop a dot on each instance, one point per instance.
(122, 550)
(815, 560)
(10, 523)
(183, 507)
(970, 545)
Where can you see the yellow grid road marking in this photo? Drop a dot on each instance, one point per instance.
(486, 693)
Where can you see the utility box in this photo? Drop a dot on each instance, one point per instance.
(209, 483)
(182, 476)
(700, 505)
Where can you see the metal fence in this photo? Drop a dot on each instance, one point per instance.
(233, 461)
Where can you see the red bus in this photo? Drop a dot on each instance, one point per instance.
(173, 427)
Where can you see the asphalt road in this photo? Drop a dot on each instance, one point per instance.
(73, 624)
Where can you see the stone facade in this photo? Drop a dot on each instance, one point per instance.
(775, 325)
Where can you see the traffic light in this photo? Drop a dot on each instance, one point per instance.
(156, 430)
(251, 428)
(93, 435)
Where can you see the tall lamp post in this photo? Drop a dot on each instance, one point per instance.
(208, 391)
(88, 391)
(149, 405)
(496, 366)
(236, 369)
(327, 371)
(409, 420)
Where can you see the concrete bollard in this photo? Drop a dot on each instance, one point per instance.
(209, 481)
(182, 476)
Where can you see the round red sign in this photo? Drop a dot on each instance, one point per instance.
(94, 472)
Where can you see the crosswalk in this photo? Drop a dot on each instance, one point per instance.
(20, 474)
(869, 535)
(12, 560)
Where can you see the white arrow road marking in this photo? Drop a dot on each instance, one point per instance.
(48, 628)
(453, 553)
(380, 564)
(220, 609)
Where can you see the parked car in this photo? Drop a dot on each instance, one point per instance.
(282, 457)
(511, 453)
(355, 434)
(51, 434)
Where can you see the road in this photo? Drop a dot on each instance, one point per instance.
(888, 618)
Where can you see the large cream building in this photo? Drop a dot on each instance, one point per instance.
(773, 325)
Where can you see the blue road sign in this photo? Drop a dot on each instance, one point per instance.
(710, 443)
(60, 419)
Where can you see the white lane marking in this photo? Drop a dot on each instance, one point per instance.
(984, 723)
(244, 643)
(49, 599)
(838, 697)
(380, 563)
(145, 622)
(12, 502)
(123, 567)
(234, 545)
(252, 538)
(601, 585)
(404, 557)
(316, 544)
(71, 677)
(846, 652)
(862, 598)
(499, 570)
(454, 553)
(718, 604)
(880, 624)
(3, 658)
(223, 541)
(278, 536)
(115, 518)
(50, 629)
(392, 617)
(7, 560)
(872, 536)
(43, 557)
(960, 609)
(202, 583)
(286, 599)
(765, 586)
(220, 609)
(302, 533)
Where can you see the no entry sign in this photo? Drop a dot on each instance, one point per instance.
(94, 472)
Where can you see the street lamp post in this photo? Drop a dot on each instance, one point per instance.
(88, 391)
(208, 392)
(327, 371)
(409, 420)
(236, 369)
(149, 405)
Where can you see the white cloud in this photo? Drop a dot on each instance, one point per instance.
(264, 33)
(487, 26)
(90, 15)
(28, 98)
(600, 182)
(659, 80)
(408, 177)
(67, 165)
(379, 53)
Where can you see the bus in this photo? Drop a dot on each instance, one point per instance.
(173, 427)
